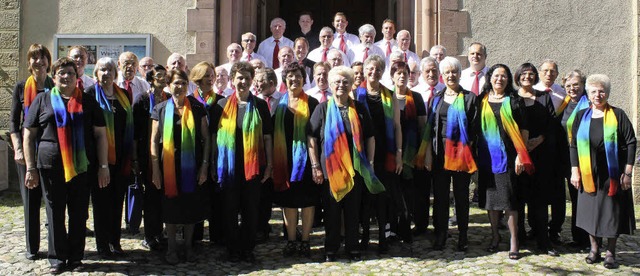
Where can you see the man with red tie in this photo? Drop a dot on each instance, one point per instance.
(366, 47)
(80, 57)
(395, 56)
(548, 73)
(404, 42)
(336, 58)
(472, 78)
(270, 47)
(285, 56)
(127, 79)
(221, 84)
(248, 42)
(326, 39)
(387, 43)
(234, 52)
(430, 77)
(342, 40)
(438, 52)
(177, 61)
(265, 87)
(321, 91)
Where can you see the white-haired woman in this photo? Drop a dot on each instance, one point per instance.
(602, 157)
(453, 115)
(340, 147)
(118, 115)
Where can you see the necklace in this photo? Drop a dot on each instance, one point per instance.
(493, 96)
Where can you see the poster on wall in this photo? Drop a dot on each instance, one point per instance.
(103, 45)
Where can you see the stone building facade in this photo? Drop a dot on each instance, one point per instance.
(594, 36)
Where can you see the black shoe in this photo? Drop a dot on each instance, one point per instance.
(549, 251)
(90, 232)
(463, 244)
(304, 249)
(330, 257)
(383, 247)
(151, 244)
(355, 257)
(116, 249)
(57, 268)
(290, 249)
(555, 238)
(75, 266)
(610, 262)
(593, 257)
(493, 247)
(30, 256)
(105, 252)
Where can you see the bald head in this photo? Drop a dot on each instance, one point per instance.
(176, 61)
(234, 52)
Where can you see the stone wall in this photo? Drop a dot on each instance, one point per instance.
(9, 55)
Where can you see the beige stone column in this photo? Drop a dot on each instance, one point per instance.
(453, 24)
(202, 21)
(9, 55)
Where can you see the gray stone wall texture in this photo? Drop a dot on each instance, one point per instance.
(9, 55)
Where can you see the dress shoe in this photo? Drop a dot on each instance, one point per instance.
(355, 257)
(105, 252)
(116, 249)
(74, 266)
(330, 257)
(383, 247)
(549, 251)
(31, 257)
(463, 244)
(151, 244)
(58, 268)
(555, 238)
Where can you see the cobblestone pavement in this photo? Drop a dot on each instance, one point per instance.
(413, 259)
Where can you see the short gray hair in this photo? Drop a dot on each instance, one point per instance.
(450, 62)
(249, 34)
(273, 21)
(367, 29)
(551, 61)
(438, 47)
(396, 54)
(105, 62)
(599, 79)
(326, 29)
(428, 60)
(341, 71)
(377, 60)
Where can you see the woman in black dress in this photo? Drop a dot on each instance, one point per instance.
(118, 115)
(454, 122)
(602, 156)
(179, 141)
(573, 83)
(23, 94)
(292, 170)
(69, 129)
(385, 115)
(535, 189)
(244, 122)
(142, 109)
(502, 153)
(340, 147)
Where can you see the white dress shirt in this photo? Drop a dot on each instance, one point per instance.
(316, 55)
(425, 91)
(254, 55)
(356, 53)
(410, 56)
(225, 93)
(87, 81)
(317, 94)
(557, 93)
(468, 75)
(383, 45)
(349, 39)
(265, 48)
(273, 102)
(139, 86)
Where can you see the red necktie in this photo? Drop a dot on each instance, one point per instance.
(324, 55)
(440, 79)
(475, 88)
(283, 87)
(268, 99)
(388, 48)
(324, 96)
(79, 84)
(275, 61)
(405, 57)
(431, 91)
(249, 58)
(548, 90)
(366, 54)
(127, 86)
(343, 45)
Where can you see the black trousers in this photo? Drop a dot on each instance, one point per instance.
(152, 209)
(421, 193)
(266, 202)
(108, 204)
(217, 218)
(577, 234)
(333, 211)
(62, 197)
(375, 204)
(537, 200)
(441, 183)
(31, 201)
(242, 198)
(558, 203)
(401, 206)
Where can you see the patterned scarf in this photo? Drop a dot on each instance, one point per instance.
(31, 90)
(495, 144)
(281, 177)
(69, 120)
(107, 111)
(208, 99)
(152, 100)
(610, 146)
(426, 134)
(187, 150)
(457, 153)
(582, 104)
(409, 133)
(387, 106)
(340, 166)
(251, 140)
(563, 105)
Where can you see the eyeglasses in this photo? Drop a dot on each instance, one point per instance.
(248, 40)
(341, 82)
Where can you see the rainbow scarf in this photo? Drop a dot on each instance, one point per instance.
(491, 134)
(426, 134)
(582, 104)
(563, 105)
(69, 120)
(340, 166)
(207, 101)
(387, 106)
(252, 142)
(187, 150)
(610, 146)
(107, 111)
(31, 90)
(152, 100)
(409, 131)
(281, 177)
(457, 153)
